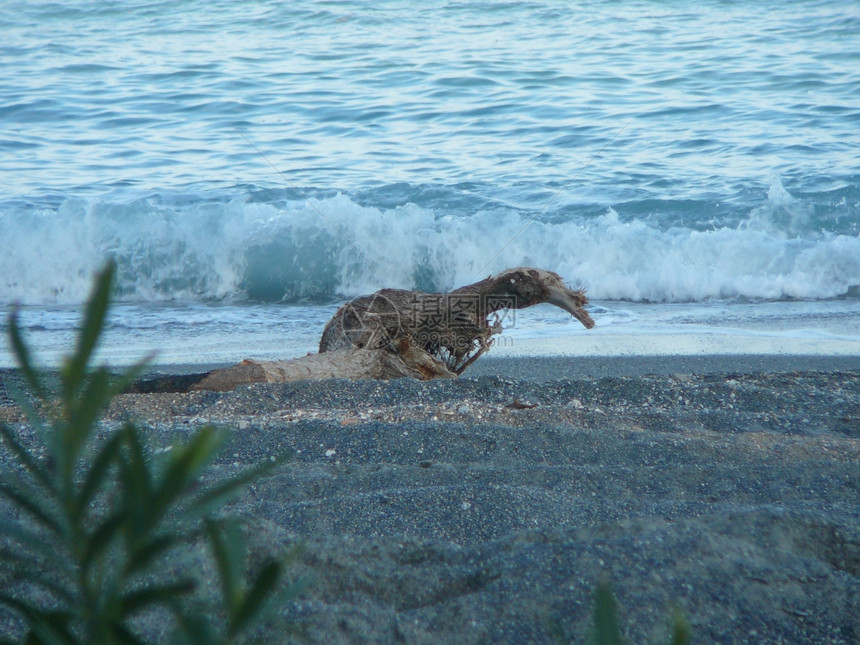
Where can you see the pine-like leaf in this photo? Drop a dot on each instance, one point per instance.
(221, 493)
(680, 628)
(39, 573)
(607, 630)
(32, 465)
(30, 501)
(101, 538)
(95, 313)
(255, 598)
(193, 629)
(33, 543)
(22, 355)
(184, 466)
(157, 594)
(228, 550)
(146, 553)
(82, 421)
(97, 476)
(46, 627)
(100, 563)
(136, 486)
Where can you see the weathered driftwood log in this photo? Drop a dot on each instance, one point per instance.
(454, 327)
(354, 364)
(395, 333)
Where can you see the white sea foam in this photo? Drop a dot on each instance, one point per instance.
(224, 249)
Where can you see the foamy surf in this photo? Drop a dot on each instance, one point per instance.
(231, 247)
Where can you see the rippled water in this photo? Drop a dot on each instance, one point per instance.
(238, 156)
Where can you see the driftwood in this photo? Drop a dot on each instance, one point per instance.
(354, 364)
(395, 333)
(454, 327)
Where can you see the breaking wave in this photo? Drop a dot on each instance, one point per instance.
(201, 247)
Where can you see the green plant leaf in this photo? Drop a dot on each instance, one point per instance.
(97, 475)
(83, 413)
(156, 594)
(680, 628)
(136, 488)
(98, 541)
(37, 572)
(95, 314)
(30, 501)
(98, 559)
(193, 629)
(255, 599)
(95, 392)
(33, 543)
(123, 636)
(53, 628)
(607, 630)
(33, 467)
(148, 551)
(228, 550)
(219, 494)
(22, 355)
(184, 466)
(48, 627)
(123, 380)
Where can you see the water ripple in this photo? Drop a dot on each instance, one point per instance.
(672, 113)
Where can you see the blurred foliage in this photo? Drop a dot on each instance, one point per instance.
(102, 539)
(606, 628)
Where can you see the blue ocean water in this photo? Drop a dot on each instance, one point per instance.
(250, 165)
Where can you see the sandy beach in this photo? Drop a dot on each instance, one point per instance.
(486, 509)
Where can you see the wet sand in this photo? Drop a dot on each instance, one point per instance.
(485, 509)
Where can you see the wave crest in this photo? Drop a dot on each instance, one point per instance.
(195, 247)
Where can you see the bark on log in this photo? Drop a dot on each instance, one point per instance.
(353, 364)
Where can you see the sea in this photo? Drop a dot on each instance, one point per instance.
(250, 166)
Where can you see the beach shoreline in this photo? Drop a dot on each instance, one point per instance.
(553, 367)
(486, 508)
